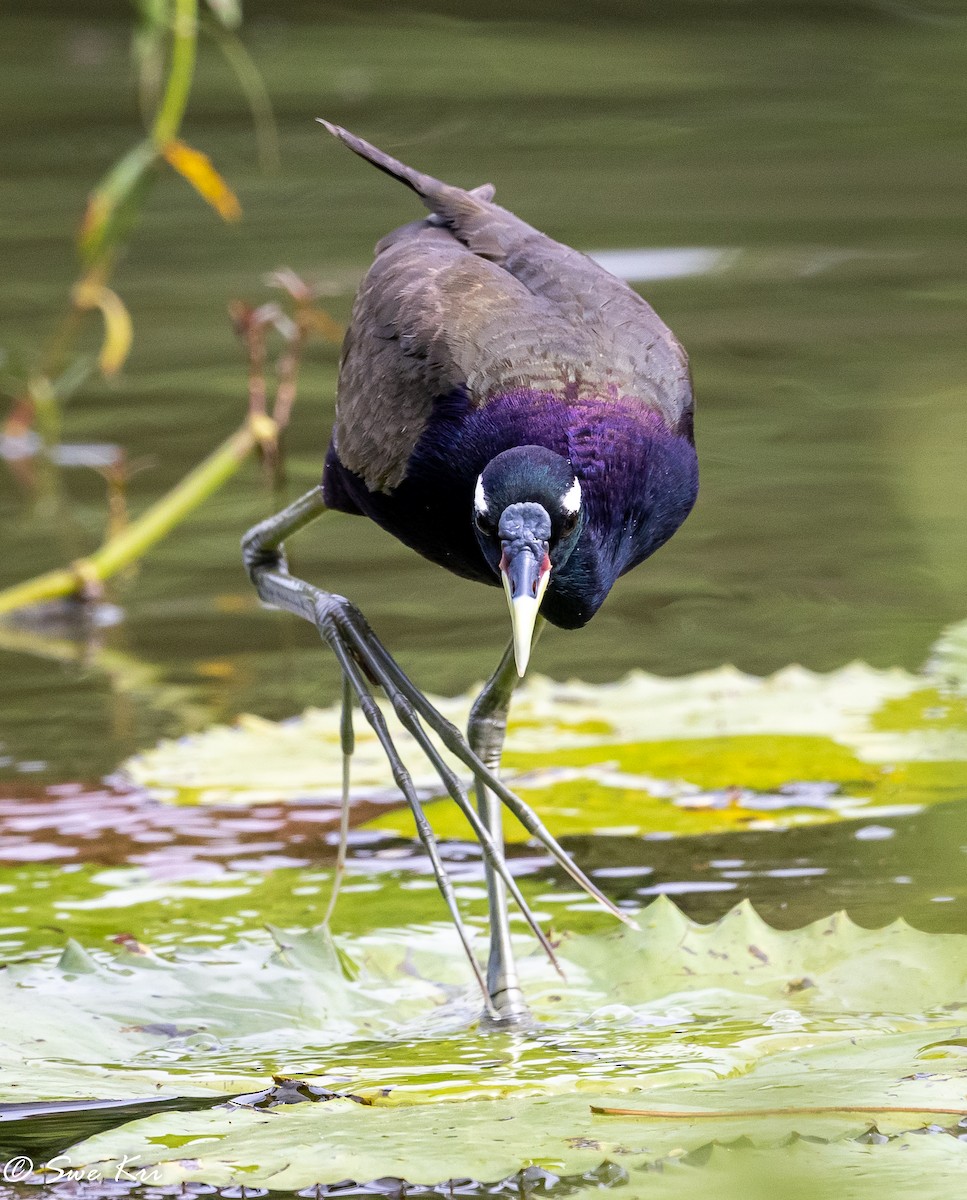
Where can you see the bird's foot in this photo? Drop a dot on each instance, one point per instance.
(367, 663)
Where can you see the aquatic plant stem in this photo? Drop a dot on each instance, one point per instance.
(86, 574)
(807, 1110)
(114, 190)
(256, 94)
(181, 73)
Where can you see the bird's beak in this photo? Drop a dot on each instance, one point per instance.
(525, 582)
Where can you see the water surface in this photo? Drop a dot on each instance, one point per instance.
(809, 174)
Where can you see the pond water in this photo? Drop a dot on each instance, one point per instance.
(786, 188)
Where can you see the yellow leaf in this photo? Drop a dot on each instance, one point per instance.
(197, 168)
(118, 332)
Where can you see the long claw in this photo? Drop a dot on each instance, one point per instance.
(405, 711)
(363, 658)
(454, 741)
(373, 714)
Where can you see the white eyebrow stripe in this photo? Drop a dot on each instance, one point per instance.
(479, 499)
(571, 500)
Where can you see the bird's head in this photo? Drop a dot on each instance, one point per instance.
(528, 517)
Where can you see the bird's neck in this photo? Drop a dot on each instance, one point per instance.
(639, 480)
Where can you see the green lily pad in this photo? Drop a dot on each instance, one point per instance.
(291, 1148)
(678, 1016)
(712, 751)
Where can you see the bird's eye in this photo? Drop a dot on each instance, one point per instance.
(484, 524)
(569, 524)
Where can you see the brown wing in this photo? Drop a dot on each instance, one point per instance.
(473, 297)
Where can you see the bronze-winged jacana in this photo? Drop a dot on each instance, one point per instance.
(516, 414)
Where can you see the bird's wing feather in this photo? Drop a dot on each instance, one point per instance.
(474, 297)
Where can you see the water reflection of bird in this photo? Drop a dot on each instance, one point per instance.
(518, 415)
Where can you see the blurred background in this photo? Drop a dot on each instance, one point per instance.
(799, 166)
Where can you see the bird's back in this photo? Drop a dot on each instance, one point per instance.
(471, 332)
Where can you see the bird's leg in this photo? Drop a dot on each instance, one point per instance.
(333, 616)
(348, 741)
(485, 733)
(365, 661)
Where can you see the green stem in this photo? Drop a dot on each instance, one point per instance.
(183, 51)
(140, 535)
(46, 410)
(256, 93)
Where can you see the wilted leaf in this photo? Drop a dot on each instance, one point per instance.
(118, 333)
(229, 14)
(197, 168)
(74, 376)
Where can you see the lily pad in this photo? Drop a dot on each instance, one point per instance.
(290, 1148)
(716, 750)
(678, 1016)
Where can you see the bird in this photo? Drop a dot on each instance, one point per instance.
(521, 417)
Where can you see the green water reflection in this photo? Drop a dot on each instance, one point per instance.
(828, 353)
(207, 897)
(825, 159)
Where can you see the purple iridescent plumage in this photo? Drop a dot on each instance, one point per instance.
(473, 334)
(639, 481)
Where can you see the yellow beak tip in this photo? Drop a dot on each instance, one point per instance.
(523, 617)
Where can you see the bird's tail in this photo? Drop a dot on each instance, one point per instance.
(440, 198)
